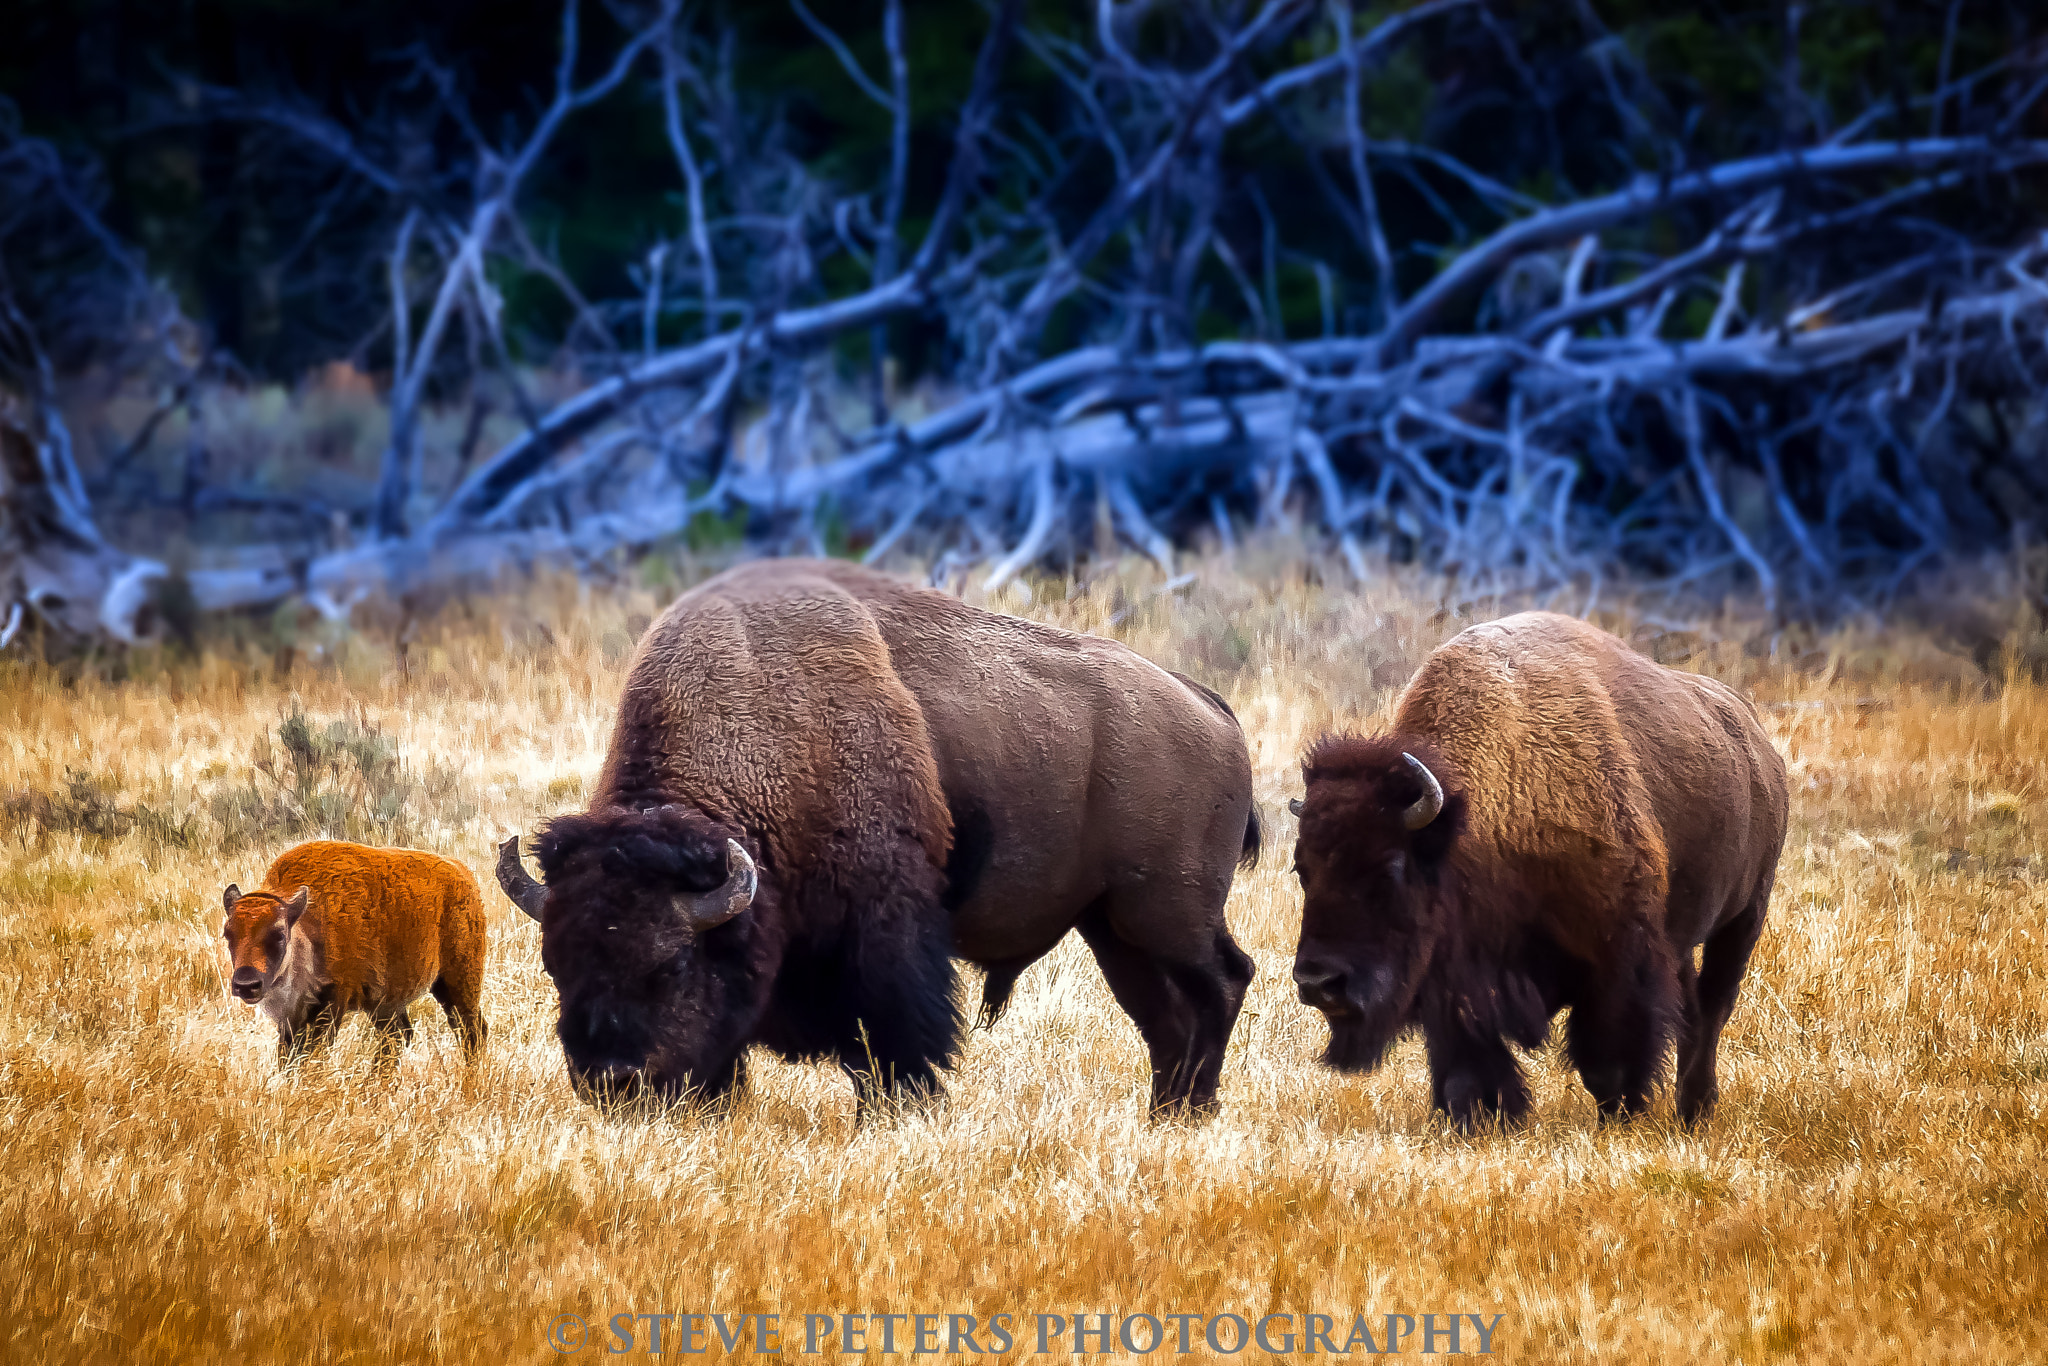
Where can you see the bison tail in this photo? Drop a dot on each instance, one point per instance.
(997, 982)
(1254, 838)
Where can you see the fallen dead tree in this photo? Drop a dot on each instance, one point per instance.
(1567, 397)
(54, 563)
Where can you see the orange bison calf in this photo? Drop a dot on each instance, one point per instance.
(339, 927)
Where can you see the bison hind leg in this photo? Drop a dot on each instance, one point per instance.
(1723, 961)
(1184, 1009)
(465, 1017)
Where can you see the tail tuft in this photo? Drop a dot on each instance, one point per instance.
(997, 982)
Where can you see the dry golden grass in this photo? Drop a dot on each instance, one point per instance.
(1873, 1187)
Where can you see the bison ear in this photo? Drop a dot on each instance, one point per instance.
(230, 897)
(296, 907)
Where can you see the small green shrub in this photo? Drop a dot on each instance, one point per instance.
(85, 806)
(344, 780)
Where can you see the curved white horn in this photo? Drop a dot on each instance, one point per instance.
(525, 893)
(1430, 804)
(708, 910)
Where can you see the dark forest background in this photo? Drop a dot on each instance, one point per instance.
(280, 259)
(217, 195)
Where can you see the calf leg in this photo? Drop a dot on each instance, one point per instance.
(464, 1014)
(311, 1034)
(394, 1032)
(1723, 961)
(1184, 1000)
(1622, 1021)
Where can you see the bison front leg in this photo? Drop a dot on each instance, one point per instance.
(880, 1091)
(1184, 1001)
(1474, 1079)
(1621, 1025)
(901, 1022)
(893, 1063)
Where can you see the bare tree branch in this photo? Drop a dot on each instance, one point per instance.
(1648, 194)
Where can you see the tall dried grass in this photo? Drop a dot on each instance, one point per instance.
(1873, 1187)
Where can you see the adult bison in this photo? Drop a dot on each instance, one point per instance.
(1552, 821)
(825, 784)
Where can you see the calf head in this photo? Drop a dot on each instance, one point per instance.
(648, 929)
(259, 933)
(1378, 822)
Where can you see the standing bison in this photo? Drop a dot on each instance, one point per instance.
(1552, 821)
(341, 927)
(825, 784)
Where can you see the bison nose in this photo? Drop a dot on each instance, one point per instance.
(1321, 985)
(247, 985)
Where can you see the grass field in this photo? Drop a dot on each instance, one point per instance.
(1873, 1188)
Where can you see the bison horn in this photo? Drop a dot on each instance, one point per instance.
(526, 894)
(708, 910)
(1430, 804)
(1294, 805)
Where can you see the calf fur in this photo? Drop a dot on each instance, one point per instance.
(341, 927)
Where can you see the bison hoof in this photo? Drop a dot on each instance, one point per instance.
(1184, 1110)
(1694, 1111)
(1475, 1103)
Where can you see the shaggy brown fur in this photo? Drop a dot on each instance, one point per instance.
(341, 927)
(915, 779)
(1603, 816)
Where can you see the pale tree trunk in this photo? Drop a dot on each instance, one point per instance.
(53, 561)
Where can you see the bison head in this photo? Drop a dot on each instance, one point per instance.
(1378, 821)
(648, 927)
(259, 933)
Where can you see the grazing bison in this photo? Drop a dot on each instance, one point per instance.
(825, 784)
(339, 927)
(1552, 821)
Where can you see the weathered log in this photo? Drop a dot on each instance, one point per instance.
(53, 560)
